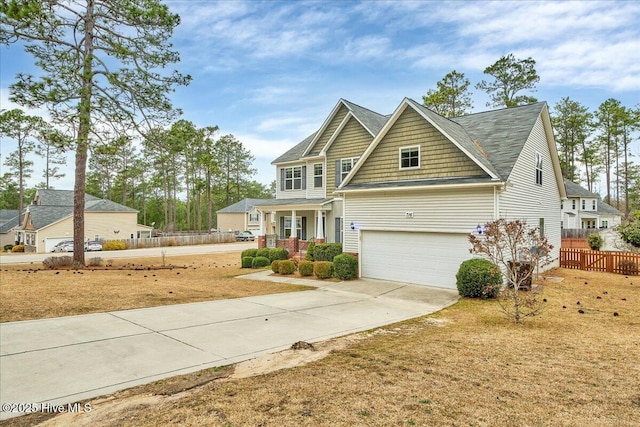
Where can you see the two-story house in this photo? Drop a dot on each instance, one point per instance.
(584, 209)
(404, 191)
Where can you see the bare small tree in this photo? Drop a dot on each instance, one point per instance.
(517, 250)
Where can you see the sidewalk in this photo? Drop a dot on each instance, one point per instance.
(64, 360)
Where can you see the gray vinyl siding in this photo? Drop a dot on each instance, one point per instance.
(524, 199)
(439, 157)
(312, 192)
(289, 194)
(328, 132)
(352, 141)
(448, 211)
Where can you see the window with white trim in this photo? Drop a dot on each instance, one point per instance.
(573, 204)
(410, 157)
(293, 178)
(538, 169)
(254, 217)
(287, 226)
(345, 167)
(317, 175)
(593, 205)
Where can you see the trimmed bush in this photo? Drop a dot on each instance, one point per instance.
(247, 261)
(263, 252)
(260, 262)
(595, 241)
(478, 278)
(249, 252)
(309, 255)
(114, 245)
(326, 251)
(286, 267)
(54, 262)
(275, 266)
(17, 248)
(305, 268)
(278, 254)
(323, 269)
(345, 266)
(628, 267)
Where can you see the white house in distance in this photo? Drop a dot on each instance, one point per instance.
(403, 191)
(48, 220)
(243, 216)
(584, 209)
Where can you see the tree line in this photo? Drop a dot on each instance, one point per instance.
(592, 145)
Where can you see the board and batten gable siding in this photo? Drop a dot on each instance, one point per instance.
(439, 157)
(329, 131)
(523, 199)
(352, 142)
(289, 194)
(447, 211)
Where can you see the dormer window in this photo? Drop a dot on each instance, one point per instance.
(410, 157)
(538, 169)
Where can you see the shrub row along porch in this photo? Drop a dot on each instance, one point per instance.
(609, 261)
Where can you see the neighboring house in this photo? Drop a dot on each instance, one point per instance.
(49, 220)
(8, 226)
(244, 216)
(404, 191)
(584, 209)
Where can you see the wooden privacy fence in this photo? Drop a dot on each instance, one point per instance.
(185, 240)
(573, 243)
(612, 262)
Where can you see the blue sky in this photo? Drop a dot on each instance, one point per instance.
(270, 72)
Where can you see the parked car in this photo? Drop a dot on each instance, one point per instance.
(92, 246)
(245, 236)
(66, 246)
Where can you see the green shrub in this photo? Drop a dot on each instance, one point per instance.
(286, 267)
(326, 251)
(628, 267)
(595, 241)
(17, 248)
(305, 268)
(345, 266)
(278, 254)
(275, 266)
(478, 278)
(247, 261)
(7, 247)
(263, 252)
(309, 255)
(630, 233)
(249, 252)
(114, 245)
(54, 262)
(323, 269)
(260, 262)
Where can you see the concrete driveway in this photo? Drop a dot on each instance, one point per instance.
(64, 360)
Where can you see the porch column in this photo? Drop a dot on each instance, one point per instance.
(294, 231)
(262, 232)
(319, 231)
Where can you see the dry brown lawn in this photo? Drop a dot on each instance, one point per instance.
(464, 366)
(32, 292)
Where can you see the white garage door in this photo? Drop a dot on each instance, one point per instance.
(422, 258)
(50, 242)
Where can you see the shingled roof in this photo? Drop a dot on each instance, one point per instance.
(242, 206)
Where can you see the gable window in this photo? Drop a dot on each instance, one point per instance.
(345, 167)
(538, 169)
(253, 217)
(410, 157)
(593, 205)
(317, 175)
(583, 204)
(292, 178)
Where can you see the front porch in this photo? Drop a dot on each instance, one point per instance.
(297, 223)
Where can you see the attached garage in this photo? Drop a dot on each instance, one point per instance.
(412, 257)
